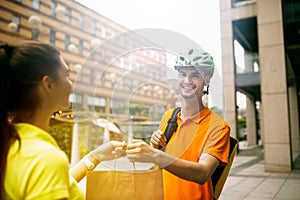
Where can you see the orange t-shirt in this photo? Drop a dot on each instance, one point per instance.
(205, 132)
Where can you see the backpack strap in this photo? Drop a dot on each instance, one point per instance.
(172, 124)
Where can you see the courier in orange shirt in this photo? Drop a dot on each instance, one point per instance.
(201, 141)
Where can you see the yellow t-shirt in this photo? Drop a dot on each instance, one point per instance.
(38, 168)
(205, 132)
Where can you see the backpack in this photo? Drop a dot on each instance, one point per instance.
(221, 173)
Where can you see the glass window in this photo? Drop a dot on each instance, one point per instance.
(96, 101)
(121, 62)
(103, 32)
(113, 33)
(34, 33)
(122, 42)
(103, 79)
(92, 53)
(53, 7)
(103, 54)
(81, 21)
(68, 15)
(92, 72)
(67, 42)
(93, 26)
(75, 98)
(36, 4)
(121, 84)
(16, 20)
(52, 36)
(80, 47)
(79, 75)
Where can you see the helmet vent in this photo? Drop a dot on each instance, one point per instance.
(191, 51)
(197, 58)
(181, 58)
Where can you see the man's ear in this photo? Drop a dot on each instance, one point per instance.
(46, 84)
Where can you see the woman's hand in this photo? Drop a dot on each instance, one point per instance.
(158, 139)
(108, 151)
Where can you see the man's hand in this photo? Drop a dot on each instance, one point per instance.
(158, 139)
(140, 151)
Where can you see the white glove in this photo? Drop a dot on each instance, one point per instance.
(140, 151)
(108, 151)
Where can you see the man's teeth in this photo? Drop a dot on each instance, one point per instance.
(188, 87)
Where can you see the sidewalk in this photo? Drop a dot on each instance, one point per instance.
(247, 179)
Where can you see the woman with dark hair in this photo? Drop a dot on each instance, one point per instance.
(34, 84)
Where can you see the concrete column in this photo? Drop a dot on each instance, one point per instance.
(228, 71)
(248, 62)
(107, 105)
(261, 124)
(294, 120)
(273, 87)
(293, 111)
(85, 105)
(251, 122)
(75, 149)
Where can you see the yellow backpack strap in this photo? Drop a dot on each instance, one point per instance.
(221, 173)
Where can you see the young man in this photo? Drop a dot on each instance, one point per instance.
(201, 141)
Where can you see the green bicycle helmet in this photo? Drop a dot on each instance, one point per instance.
(196, 58)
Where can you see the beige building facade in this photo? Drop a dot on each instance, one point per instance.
(107, 61)
(268, 32)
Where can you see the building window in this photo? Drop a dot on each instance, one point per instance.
(103, 54)
(92, 76)
(52, 36)
(93, 26)
(67, 42)
(103, 32)
(80, 47)
(53, 7)
(121, 84)
(16, 20)
(92, 53)
(81, 21)
(92, 100)
(103, 79)
(35, 34)
(79, 75)
(113, 33)
(76, 99)
(121, 62)
(36, 4)
(122, 42)
(68, 15)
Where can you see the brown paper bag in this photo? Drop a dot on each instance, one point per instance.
(119, 185)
